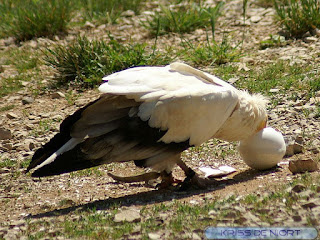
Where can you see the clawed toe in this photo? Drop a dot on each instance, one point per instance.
(196, 182)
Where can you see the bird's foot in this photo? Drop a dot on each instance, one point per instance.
(167, 181)
(196, 182)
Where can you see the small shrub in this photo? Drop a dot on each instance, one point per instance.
(86, 62)
(26, 19)
(298, 16)
(183, 18)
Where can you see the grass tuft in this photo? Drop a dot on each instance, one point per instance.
(211, 52)
(108, 11)
(298, 16)
(183, 18)
(27, 19)
(85, 62)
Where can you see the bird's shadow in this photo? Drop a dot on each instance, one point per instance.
(158, 196)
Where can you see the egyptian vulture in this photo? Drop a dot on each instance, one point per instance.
(150, 115)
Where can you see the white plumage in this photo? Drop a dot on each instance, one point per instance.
(150, 115)
(189, 103)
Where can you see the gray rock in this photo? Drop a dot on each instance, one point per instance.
(128, 215)
(5, 133)
(294, 145)
(27, 100)
(57, 95)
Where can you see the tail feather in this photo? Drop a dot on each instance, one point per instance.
(69, 161)
(66, 147)
(58, 140)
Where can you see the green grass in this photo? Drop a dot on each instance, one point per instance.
(273, 41)
(280, 75)
(108, 11)
(298, 16)
(27, 19)
(183, 18)
(9, 85)
(85, 62)
(44, 126)
(8, 163)
(210, 52)
(87, 172)
(7, 107)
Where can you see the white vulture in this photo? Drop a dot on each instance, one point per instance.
(150, 115)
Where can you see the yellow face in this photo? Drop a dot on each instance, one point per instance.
(262, 125)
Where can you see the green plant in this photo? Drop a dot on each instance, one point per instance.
(273, 41)
(183, 18)
(298, 16)
(26, 19)
(276, 75)
(211, 52)
(9, 85)
(9, 163)
(7, 107)
(85, 62)
(108, 11)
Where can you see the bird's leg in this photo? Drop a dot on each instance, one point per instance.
(192, 178)
(167, 180)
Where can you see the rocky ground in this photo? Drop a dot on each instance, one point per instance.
(34, 119)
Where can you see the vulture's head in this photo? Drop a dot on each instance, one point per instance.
(263, 150)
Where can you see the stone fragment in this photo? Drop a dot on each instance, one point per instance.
(4, 170)
(8, 146)
(29, 145)
(89, 25)
(303, 165)
(12, 116)
(294, 145)
(309, 205)
(310, 39)
(5, 133)
(128, 215)
(57, 95)
(27, 100)
(297, 218)
(195, 236)
(316, 32)
(298, 188)
(154, 236)
(274, 90)
(255, 19)
(128, 13)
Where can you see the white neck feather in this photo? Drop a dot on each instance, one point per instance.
(246, 118)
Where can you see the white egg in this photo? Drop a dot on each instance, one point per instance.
(263, 150)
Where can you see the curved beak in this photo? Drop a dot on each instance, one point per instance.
(262, 125)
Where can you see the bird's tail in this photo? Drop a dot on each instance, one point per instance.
(62, 153)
